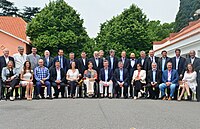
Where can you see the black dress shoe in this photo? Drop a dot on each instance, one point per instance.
(189, 97)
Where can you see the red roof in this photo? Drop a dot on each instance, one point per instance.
(14, 25)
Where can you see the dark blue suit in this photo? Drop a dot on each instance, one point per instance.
(64, 62)
(174, 82)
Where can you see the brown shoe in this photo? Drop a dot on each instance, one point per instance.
(164, 98)
(170, 98)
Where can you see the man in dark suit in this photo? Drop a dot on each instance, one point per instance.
(105, 77)
(96, 62)
(153, 81)
(151, 59)
(121, 77)
(82, 66)
(48, 60)
(57, 78)
(143, 60)
(178, 63)
(195, 61)
(63, 61)
(112, 60)
(132, 68)
(72, 59)
(3, 63)
(170, 80)
(162, 62)
(124, 60)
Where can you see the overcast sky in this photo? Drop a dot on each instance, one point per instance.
(95, 12)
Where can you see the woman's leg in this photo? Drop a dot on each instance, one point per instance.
(187, 89)
(182, 93)
(30, 89)
(27, 91)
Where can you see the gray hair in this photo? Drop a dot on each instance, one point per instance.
(20, 47)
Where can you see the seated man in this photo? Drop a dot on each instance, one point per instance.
(57, 78)
(170, 80)
(42, 78)
(105, 77)
(121, 76)
(154, 77)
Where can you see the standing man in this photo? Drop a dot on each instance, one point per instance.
(124, 60)
(72, 59)
(101, 55)
(195, 61)
(63, 61)
(48, 60)
(121, 78)
(132, 68)
(42, 78)
(82, 66)
(152, 58)
(143, 60)
(198, 83)
(112, 60)
(33, 58)
(170, 80)
(162, 63)
(3, 63)
(19, 59)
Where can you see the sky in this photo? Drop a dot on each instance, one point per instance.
(95, 12)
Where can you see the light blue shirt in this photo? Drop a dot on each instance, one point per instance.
(61, 61)
(154, 75)
(121, 75)
(163, 64)
(106, 74)
(111, 60)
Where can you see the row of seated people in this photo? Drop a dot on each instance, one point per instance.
(115, 82)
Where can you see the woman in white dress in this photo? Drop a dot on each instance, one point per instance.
(72, 78)
(189, 82)
(27, 79)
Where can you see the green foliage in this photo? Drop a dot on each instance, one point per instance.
(158, 31)
(29, 12)
(58, 26)
(7, 8)
(186, 13)
(127, 31)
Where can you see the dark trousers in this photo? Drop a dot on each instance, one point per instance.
(118, 90)
(153, 91)
(62, 88)
(138, 86)
(198, 93)
(12, 84)
(39, 85)
(131, 89)
(72, 85)
(1, 92)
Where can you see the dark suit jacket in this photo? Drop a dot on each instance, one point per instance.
(115, 62)
(198, 75)
(53, 75)
(149, 62)
(50, 62)
(3, 62)
(76, 62)
(158, 76)
(65, 63)
(95, 66)
(81, 66)
(126, 62)
(159, 65)
(174, 76)
(145, 64)
(196, 62)
(116, 75)
(102, 74)
(181, 65)
(132, 69)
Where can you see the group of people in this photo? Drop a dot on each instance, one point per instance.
(99, 76)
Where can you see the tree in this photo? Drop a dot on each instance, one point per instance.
(186, 13)
(29, 12)
(158, 31)
(57, 26)
(8, 9)
(127, 31)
